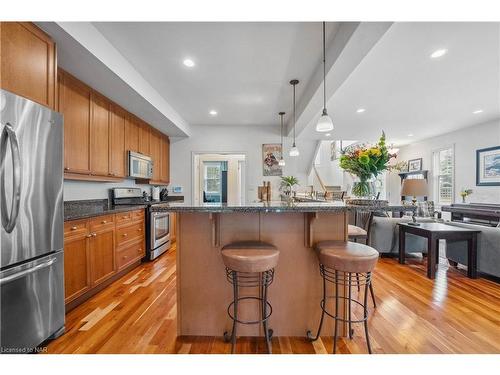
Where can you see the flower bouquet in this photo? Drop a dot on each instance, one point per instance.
(365, 162)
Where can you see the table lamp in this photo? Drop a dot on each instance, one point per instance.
(414, 188)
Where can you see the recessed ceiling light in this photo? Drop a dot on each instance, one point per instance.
(213, 112)
(328, 135)
(477, 111)
(410, 135)
(189, 63)
(438, 53)
(360, 110)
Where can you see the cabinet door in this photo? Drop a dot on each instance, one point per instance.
(74, 104)
(131, 134)
(99, 136)
(155, 153)
(165, 160)
(76, 267)
(102, 255)
(28, 62)
(144, 138)
(117, 153)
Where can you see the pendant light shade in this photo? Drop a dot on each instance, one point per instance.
(325, 123)
(281, 162)
(294, 151)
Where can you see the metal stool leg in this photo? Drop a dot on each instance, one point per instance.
(336, 313)
(357, 279)
(372, 294)
(349, 306)
(235, 313)
(365, 315)
(323, 306)
(267, 332)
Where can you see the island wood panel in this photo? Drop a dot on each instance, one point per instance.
(204, 292)
(28, 62)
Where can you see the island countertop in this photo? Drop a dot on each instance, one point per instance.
(277, 206)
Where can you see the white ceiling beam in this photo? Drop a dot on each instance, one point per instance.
(86, 53)
(350, 45)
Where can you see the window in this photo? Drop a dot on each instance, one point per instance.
(443, 176)
(214, 180)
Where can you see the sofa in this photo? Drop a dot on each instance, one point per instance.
(384, 236)
(488, 249)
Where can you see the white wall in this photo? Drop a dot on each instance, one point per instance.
(246, 140)
(465, 141)
(82, 190)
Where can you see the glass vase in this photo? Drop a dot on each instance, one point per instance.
(362, 188)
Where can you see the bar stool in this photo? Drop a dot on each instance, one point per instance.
(340, 262)
(250, 264)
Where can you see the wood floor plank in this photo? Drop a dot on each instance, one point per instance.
(451, 314)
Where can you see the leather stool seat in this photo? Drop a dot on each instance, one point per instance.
(355, 231)
(347, 256)
(250, 256)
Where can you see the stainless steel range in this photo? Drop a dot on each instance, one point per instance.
(31, 247)
(157, 223)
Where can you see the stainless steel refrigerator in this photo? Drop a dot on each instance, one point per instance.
(31, 205)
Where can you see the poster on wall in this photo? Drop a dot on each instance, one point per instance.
(271, 154)
(488, 166)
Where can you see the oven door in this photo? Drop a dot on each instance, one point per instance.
(160, 229)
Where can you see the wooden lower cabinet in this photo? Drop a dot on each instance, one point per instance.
(102, 255)
(76, 267)
(98, 248)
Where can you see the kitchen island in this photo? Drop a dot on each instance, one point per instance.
(203, 292)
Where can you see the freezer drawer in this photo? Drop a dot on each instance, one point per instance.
(31, 303)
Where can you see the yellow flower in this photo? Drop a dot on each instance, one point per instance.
(375, 151)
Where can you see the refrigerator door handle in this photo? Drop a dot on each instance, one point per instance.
(8, 133)
(23, 273)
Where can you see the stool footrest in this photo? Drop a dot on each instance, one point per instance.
(270, 311)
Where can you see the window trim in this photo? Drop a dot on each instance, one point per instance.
(435, 184)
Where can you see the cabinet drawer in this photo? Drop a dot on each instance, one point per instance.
(101, 222)
(138, 215)
(130, 254)
(123, 217)
(75, 228)
(129, 233)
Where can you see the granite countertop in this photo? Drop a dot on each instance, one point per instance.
(273, 206)
(90, 208)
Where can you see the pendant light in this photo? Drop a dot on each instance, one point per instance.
(294, 151)
(281, 162)
(325, 123)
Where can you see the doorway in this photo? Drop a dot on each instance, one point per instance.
(219, 178)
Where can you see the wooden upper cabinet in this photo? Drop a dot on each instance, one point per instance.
(131, 134)
(144, 138)
(75, 105)
(117, 152)
(28, 62)
(155, 153)
(165, 159)
(99, 136)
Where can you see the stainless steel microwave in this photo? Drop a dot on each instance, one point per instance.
(139, 165)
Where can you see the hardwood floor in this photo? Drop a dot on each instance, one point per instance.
(453, 314)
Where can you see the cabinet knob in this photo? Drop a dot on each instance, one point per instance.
(94, 234)
(125, 217)
(139, 230)
(104, 222)
(66, 168)
(125, 234)
(74, 228)
(89, 235)
(125, 256)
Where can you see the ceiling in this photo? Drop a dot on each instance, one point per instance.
(242, 69)
(404, 91)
